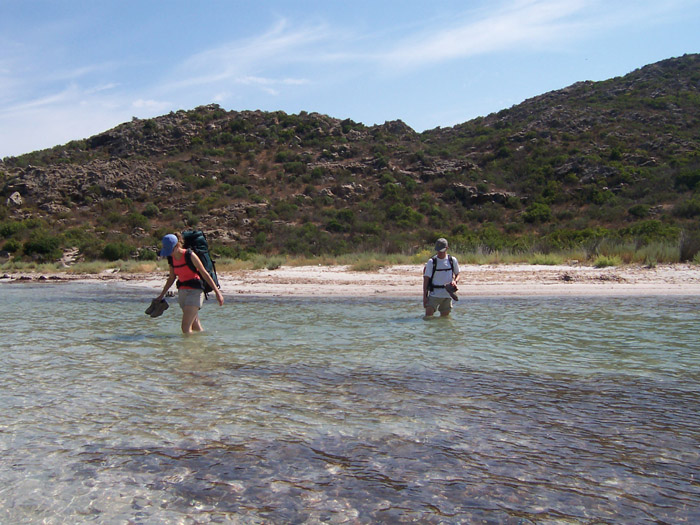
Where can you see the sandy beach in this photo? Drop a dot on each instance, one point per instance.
(405, 281)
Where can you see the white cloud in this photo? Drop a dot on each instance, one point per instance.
(521, 23)
(240, 61)
(151, 105)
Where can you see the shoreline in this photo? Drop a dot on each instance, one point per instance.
(404, 281)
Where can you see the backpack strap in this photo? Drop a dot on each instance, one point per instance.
(434, 258)
(200, 281)
(430, 282)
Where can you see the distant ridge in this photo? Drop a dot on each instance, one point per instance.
(596, 160)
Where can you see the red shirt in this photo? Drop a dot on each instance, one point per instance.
(184, 273)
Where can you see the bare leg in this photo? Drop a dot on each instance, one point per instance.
(429, 311)
(190, 319)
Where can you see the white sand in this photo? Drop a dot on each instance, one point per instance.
(406, 281)
(500, 280)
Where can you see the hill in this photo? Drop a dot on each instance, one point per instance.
(598, 162)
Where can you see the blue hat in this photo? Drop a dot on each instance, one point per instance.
(169, 243)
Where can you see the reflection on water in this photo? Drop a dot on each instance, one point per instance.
(513, 411)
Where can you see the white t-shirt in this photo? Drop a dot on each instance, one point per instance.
(443, 274)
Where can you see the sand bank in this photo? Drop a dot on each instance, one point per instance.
(406, 281)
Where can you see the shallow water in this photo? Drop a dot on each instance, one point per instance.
(531, 410)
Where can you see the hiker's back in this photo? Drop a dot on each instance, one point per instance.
(196, 241)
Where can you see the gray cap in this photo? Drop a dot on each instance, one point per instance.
(441, 245)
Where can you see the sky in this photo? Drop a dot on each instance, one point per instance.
(70, 69)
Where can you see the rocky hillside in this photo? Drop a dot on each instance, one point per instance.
(614, 159)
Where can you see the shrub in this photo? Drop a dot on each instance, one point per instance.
(151, 210)
(335, 226)
(10, 228)
(295, 168)
(137, 220)
(12, 246)
(652, 230)
(285, 156)
(537, 212)
(604, 261)
(43, 246)
(273, 263)
(639, 210)
(115, 251)
(689, 246)
(688, 209)
(239, 192)
(687, 180)
(147, 255)
(190, 219)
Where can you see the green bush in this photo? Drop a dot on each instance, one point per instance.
(190, 219)
(151, 210)
(537, 212)
(147, 255)
(687, 180)
(687, 209)
(12, 246)
(285, 156)
(639, 210)
(652, 230)
(604, 261)
(295, 168)
(10, 228)
(137, 220)
(116, 251)
(689, 246)
(43, 246)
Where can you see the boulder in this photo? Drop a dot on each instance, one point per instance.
(15, 200)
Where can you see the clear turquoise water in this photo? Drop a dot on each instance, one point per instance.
(532, 410)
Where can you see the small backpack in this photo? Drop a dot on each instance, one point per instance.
(196, 241)
(434, 258)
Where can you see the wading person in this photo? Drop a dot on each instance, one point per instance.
(189, 282)
(440, 281)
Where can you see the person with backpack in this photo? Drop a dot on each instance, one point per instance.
(192, 277)
(440, 278)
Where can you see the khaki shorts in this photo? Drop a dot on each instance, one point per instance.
(189, 297)
(440, 304)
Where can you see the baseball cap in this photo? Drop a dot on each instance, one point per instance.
(169, 243)
(441, 245)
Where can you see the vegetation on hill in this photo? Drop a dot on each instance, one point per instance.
(606, 168)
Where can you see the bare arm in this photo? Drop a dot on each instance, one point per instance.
(205, 275)
(168, 284)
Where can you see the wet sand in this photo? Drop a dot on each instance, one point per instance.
(406, 281)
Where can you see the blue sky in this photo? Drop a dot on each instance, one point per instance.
(70, 69)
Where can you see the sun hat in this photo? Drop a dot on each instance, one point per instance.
(169, 243)
(441, 245)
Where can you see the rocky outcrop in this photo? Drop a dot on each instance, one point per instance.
(15, 200)
(61, 185)
(470, 195)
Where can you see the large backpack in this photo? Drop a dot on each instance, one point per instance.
(196, 241)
